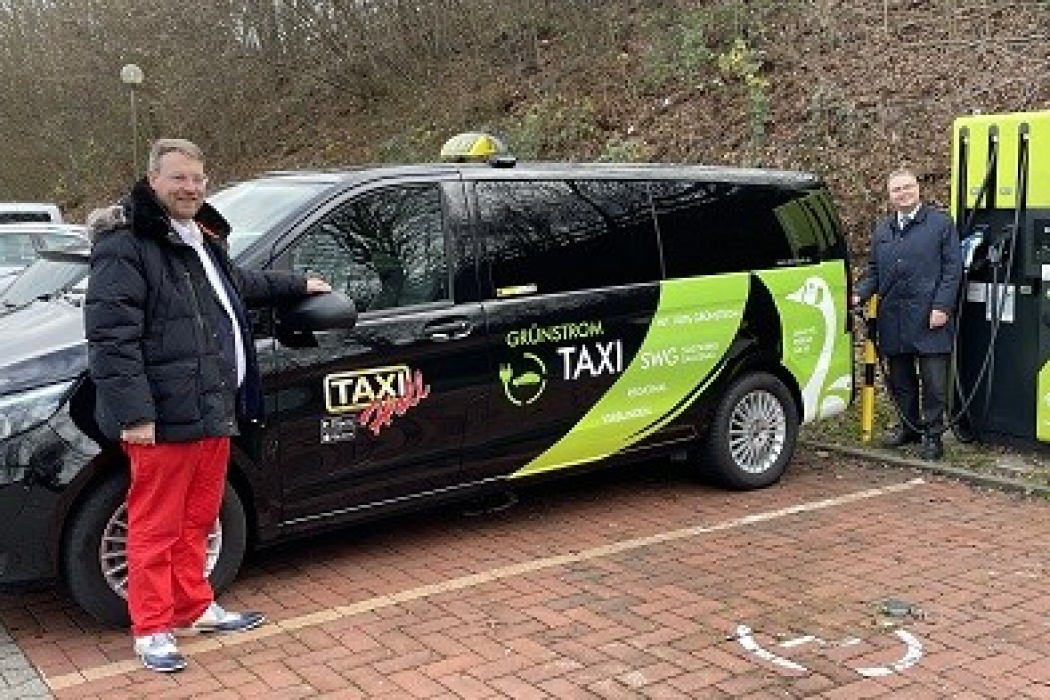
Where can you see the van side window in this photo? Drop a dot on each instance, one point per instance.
(384, 249)
(557, 236)
(812, 226)
(713, 227)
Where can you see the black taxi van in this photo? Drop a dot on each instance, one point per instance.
(512, 320)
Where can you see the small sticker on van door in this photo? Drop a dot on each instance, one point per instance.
(524, 380)
(375, 394)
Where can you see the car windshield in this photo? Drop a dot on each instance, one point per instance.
(16, 249)
(60, 241)
(18, 217)
(19, 243)
(253, 207)
(43, 279)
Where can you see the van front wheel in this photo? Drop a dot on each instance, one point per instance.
(94, 557)
(753, 432)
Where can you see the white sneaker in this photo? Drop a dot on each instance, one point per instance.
(216, 619)
(159, 653)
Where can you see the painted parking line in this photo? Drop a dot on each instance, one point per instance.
(462, 582)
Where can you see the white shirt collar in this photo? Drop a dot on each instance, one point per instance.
(189, 232)
(908, 216)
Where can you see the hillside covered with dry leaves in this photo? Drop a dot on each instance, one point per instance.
(849, 89)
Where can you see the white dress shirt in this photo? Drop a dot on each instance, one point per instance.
(191, 234)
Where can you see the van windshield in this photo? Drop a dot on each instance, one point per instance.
(254, 207)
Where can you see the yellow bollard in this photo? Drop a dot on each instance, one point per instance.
(867, 391)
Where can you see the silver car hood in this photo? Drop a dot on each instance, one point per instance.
(42, 343)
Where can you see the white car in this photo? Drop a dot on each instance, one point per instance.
(29, 212)
(21, 243)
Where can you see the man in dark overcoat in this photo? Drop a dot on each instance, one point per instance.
(915, 267)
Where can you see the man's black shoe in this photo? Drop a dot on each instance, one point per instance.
(900, 437)
(932, 448)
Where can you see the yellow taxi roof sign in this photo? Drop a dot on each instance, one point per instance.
(472, 147)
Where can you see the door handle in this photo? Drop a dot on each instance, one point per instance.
(450, 330)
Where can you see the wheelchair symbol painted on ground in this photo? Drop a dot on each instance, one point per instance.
(911, 651)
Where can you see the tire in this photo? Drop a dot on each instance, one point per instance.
(753, 433)
(94, 563)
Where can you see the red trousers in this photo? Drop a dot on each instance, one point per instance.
(173, 501)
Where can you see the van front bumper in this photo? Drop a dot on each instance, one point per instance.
(36, 470)
(24, 554)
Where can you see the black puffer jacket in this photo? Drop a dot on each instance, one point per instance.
(159, 341)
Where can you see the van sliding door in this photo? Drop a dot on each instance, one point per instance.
(570, 281)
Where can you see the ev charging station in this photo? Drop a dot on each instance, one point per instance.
(1001, 206)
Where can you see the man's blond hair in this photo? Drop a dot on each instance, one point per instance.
(901, 172)
(162, 147)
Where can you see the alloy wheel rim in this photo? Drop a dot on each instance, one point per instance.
(113, 551)
(757, 432)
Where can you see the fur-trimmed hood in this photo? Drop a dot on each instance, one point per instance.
(105, 219)
(144, 215)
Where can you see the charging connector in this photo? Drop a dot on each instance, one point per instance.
(970, 244)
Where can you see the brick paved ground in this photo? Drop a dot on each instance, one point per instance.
(629, 585)
(18, 678)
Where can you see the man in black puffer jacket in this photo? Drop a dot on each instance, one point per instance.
(171, 354)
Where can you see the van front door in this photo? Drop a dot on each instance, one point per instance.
(376, 414)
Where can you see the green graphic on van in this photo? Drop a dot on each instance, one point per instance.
(685, 348)
(694, 324)
(524, 382)
(816, 341)
(1042, 407)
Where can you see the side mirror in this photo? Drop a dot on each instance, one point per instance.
(297, 322)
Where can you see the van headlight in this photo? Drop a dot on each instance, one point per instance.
(27, 409)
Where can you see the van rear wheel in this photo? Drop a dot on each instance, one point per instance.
(753, 433)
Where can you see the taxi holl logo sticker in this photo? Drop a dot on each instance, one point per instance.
(353, 391)
(377, 393)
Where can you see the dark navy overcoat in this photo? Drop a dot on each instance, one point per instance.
(914, 270)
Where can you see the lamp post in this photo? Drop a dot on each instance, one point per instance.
(131, 75)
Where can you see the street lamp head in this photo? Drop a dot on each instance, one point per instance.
(131, 75)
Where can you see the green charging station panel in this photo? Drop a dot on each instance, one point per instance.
(1001, 197)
